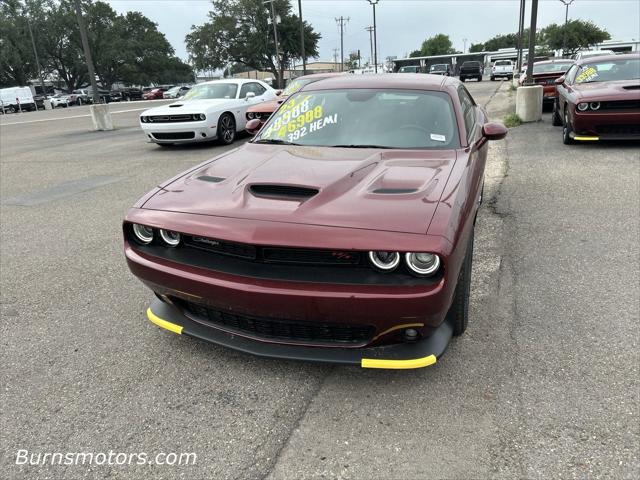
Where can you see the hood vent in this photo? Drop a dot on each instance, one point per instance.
(209, 178)
(632, 87)
(395, 191)
(283, 192)
(175, 106)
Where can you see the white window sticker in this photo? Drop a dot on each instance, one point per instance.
(438, 138)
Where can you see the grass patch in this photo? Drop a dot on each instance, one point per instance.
(512, 120)
(512, 87)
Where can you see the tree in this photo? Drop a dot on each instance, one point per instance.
(578, 35)
(238, 32)
(439, 44)
(415, 53)
(476, 47)
(352, 62)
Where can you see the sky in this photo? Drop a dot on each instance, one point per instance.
(402, 24)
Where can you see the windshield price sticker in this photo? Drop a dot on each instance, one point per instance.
(297, 118)
(587, 75)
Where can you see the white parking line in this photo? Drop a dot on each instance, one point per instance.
(72, 116)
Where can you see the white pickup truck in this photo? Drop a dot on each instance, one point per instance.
(502, 68)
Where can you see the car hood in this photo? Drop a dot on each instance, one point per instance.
(618, 90)
(267, 107)
(392, 190)
(192, 106)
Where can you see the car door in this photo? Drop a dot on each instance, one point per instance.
(474, 119)
(564, 90)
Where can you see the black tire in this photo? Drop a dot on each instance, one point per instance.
(556, 121)
(226, 129)
(462, 79)
(479, 79)
(459, 311)
(493, 79)
(567, 129)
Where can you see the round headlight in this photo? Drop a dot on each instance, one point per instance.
(250, 115)
(170, 238)
(143, 233)
(385, 261)
(423, 263)
(594, 105)
(143, 119)
(583, 106)
(202, 116)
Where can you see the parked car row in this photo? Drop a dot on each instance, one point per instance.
(350, 211)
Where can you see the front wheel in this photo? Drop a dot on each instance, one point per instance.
(226, 129)
(479, 79)
(459, 310)
(462, 79)
(566, 128)
(556, 121)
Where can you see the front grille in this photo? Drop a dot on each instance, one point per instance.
(173, 118)
(621, 129)
(174, 135)
(219, 246)
(620, 105)
(313, 257)
(276, 329)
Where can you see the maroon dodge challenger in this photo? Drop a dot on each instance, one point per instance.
(343, 232)
(599, 99)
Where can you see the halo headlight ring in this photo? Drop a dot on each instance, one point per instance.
(594, 106)
(415, 267)
(582, 106)
(170, 237)
(384, 265)
(142, 233)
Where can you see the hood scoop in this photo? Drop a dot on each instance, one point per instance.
(176, 105)
(632, 87)
(209, 178)
(283, 192)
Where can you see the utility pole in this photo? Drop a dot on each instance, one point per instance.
(370, 30)
(35, 54)
(304, 57)
(532, 42)
(87, 54)
(464, 48)
(375, 35)
(275, 20)
(520, 34)
(335, 57)
(566, 20)
(342, 22)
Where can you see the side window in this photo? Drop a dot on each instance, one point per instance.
(258, 89)
(246, 87)
(468, 110)
(571, 74)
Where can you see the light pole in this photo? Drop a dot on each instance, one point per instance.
(275, 20)
(375, 35)
(370, 30)
(464, 48)
(87, 53)
(566, 20)
(520, 34)
(304, 57)
(532, 42)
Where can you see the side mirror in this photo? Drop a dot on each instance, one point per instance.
(278, 92)
(494, 131)
(249, 95)
(253, 125)
(559, 80)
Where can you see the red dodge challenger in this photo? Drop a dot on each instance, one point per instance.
(599, 99)
(343, 232)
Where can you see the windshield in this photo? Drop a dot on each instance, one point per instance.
(503, 63)
(364, 118)
(609, 70)
(296, 85)
(206, 91)
(551, 67)
(438, 67)
(408, 70)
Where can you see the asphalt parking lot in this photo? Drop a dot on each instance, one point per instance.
(544, 384)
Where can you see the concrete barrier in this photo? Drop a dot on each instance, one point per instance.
(529, 103)
(101, 117)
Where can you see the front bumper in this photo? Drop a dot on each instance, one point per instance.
(202, 131)
(422, 353)
(592, 126)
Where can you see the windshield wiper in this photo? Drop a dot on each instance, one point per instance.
(275, 141)
(360, 146)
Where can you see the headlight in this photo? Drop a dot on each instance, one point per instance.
(583, 106)
(202, 116)
(143, 119)
(423, 263)
(250, 115)
(170, 238)
(143, 233)
(385, 261)
(594, 105)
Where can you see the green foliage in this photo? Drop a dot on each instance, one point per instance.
(415, 53)
(476, 47)
(238, 32)
(125, 48)
(351, 63)
(578, 34)
(439, 44)
(512, 120)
